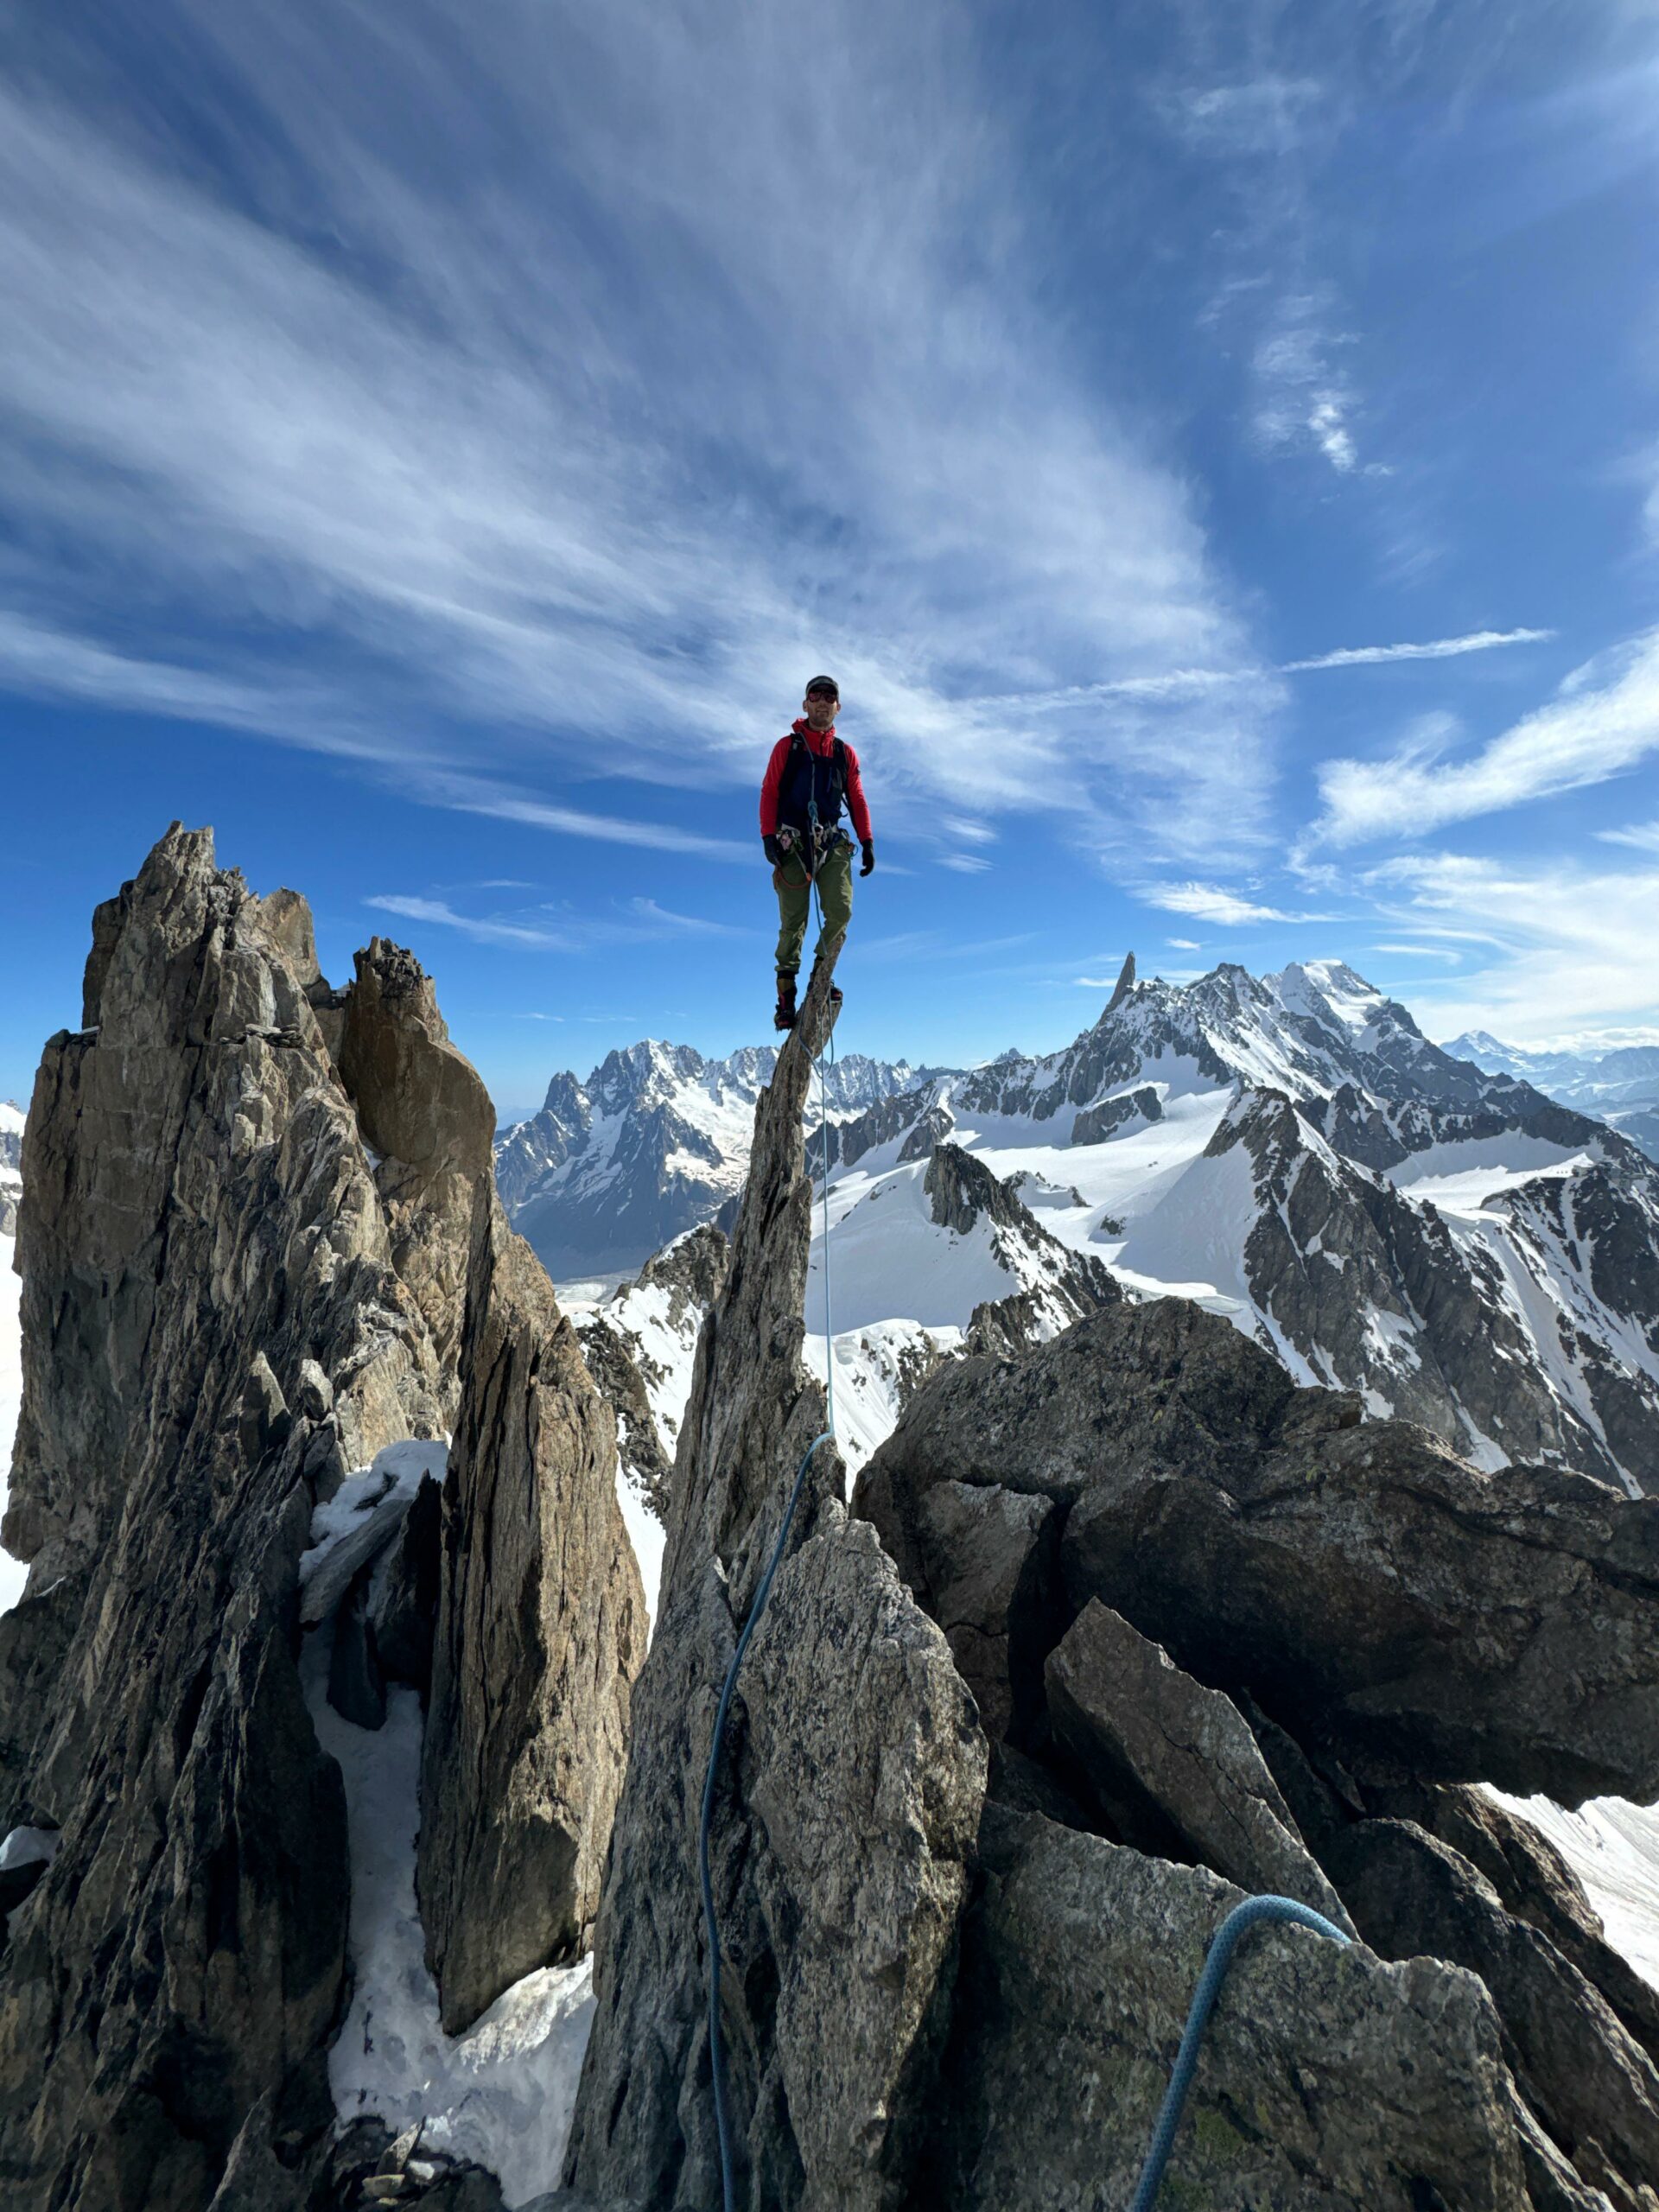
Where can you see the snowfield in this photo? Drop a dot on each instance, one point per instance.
(503, 2092)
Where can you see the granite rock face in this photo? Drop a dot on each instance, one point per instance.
(426, 1114)
(1357, 1625)
(1588, 2081)
(229, 1302)
(1269, 1541)
(199, 1225)
(541, 1630)
(1173, 1765)
(1328, 2079)
(846, 1804)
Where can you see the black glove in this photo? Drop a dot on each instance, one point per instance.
(868, 850)
(773, 850)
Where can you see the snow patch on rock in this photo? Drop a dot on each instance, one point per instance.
(502, 2093)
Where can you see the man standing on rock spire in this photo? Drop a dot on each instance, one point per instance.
(812, 775)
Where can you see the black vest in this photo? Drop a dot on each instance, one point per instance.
(809, 781)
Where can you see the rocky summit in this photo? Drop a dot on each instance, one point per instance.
(1132, 1615)
(261, 1248)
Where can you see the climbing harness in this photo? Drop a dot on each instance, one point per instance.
(1238, 1922)
(716, 2039)
(1254, 1912)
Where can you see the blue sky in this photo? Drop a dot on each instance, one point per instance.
(1213, 443)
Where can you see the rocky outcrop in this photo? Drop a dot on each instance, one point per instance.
(541, 1630)
(845, 1807)
(423, 1110)
(1592, 2086)
(1348, 1612)
(1327, 2078)
(1171, 1766)
(1376, 1294)
(198, 1225)
(1056, 1285)
(1257, 1531)
(1533, 1883)
(933, 1129)
(229, 1302)
(1094, 1124)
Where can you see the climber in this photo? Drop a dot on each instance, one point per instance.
(811, 773)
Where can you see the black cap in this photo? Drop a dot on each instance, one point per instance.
(823, 683)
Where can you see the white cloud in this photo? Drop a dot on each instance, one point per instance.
(1180, 684)
(1262, 115)
(964, 863)
(1604, 719)
(1208, 903)
(1303, 399)
(1183, 944)
(1641, 836)
(1564, 947)
(485, 932)
(468, 794)
(1477, 641)
(413, 423)
(663, 919)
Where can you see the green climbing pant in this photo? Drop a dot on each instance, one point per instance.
(794, 889)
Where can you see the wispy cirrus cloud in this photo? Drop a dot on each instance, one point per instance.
(1562, 947)
(1208, 902)
(482, 931)
(1474, 641)
(1185, 683)
(637, 920)
(390, 396)
(1603, 721)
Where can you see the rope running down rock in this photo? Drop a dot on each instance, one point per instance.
(716, 2039)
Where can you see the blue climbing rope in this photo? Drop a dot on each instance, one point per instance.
(716, 2036)
(1238, 1922)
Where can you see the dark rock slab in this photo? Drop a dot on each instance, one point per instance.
(1587, 2080)
(1360, 1579)
(1328, 2078)
(541, 1630)
(403, 1597)
(1534, 1882)
(985, 1563)
(1168, 1762)
(357, 1685)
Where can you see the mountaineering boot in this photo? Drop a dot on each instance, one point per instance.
(784, 1013)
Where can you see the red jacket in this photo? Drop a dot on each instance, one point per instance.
(821, 742)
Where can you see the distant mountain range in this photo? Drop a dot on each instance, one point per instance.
(1620, 1087)
(656, 1140)
(1388, 1217)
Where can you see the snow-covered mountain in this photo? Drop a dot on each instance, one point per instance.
(656, 1140)
(1291, 1151)
(1620, 1087)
